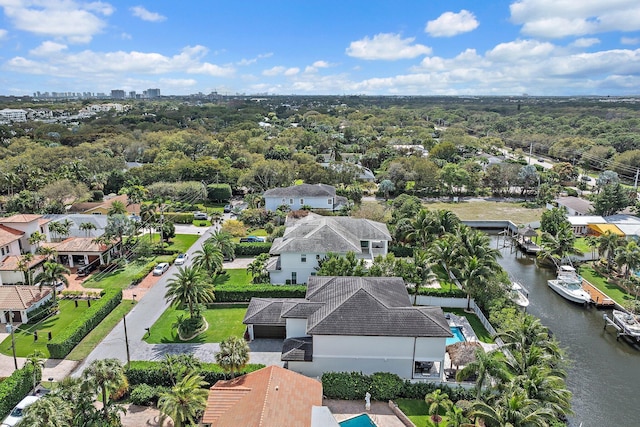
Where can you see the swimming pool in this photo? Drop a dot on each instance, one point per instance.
(361, 420)
(458, 336)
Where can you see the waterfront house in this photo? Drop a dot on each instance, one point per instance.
(362, 324)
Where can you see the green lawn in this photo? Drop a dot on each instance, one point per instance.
(94, 337)
(233, 276)
(25, 344)
(120, 278)
(223, 323)
(418, 412)
(599, 281)
(481, 332)
(478, 210)
(581, 245)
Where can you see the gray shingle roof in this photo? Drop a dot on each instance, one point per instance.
(297, 349)
(302, 190)
(264, 311)
(300, 309)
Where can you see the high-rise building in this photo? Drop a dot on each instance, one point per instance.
(152, 93)
(117, 94)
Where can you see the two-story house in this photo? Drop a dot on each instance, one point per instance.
(316, 196)
(362, 324)
(310, 238)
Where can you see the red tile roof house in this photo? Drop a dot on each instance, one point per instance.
(20, 300)
(270, 397)
(14, 236)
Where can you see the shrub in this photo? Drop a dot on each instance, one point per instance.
(63, 343)
(242, 293)
(385, 386)
(14, 388)
(179, 217)
(401, 251)
(152, 373)
(443, 292)
(43, 311)
(146, 395)
(219, 192)
(253, 249)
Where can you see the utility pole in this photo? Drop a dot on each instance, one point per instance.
(530, 151)
(635, 185)
(126, 340)
(13, 339)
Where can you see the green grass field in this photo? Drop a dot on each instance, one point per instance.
(418, 412)
(223, 323)
(477, 210)
(117, 279)
(25, 344)
(233, 276)
(599, 281)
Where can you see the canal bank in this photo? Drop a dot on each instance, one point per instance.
(604, 373)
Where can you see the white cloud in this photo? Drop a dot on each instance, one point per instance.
(520, 49)
(75, 21)
(280, 70)
(292, 71)
(630, 40)
(47, 48)
(245, 62)
(313, 68)
(451, 24)
(3, 33)
(146, 15)
(386, 46)
(561, 18)
(585, 42)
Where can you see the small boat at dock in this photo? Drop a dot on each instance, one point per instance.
(628, 323)
(519, 295)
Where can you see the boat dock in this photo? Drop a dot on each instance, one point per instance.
(526, 245)
(599, 298)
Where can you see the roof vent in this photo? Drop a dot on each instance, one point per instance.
(277, 388)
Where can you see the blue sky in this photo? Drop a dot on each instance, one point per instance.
(373, 47)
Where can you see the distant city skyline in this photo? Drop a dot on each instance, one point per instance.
(377, 47)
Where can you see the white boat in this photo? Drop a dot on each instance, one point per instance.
(628, 323)
(519, 295)
(570, 289)
(568, 273)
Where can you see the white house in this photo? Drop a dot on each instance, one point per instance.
(363, 324)
(317, 196)
(17, 301)
(309, 239)
(14, 241)
(575, 206)
(27, 224)
(579, 223)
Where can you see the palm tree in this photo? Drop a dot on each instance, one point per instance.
(423, 271)
(486, 365)
(35, 359)
(24, 265)
(258, 269)
(87, 227)
(177, 366)
(189, 288)
(102, 377)
(233, 354)
(52, 274)
(474, 275)
(209, 258)
(224, 241)
(559, 246)
(65, 228)
(117, 208)
(445, 252)
(513, 409)
(56, 228)
(36, 238)
(185, 401)
(386, 186)
(629, 257)
(607, 244)
(49, 252)
(50, 411)
(436, 400)
(543, 384)
(455, 417)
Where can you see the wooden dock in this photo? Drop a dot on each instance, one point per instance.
(526, 245)
(599, 298)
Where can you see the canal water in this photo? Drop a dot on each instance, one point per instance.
(604, 375)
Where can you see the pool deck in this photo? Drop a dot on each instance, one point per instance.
(380, 413)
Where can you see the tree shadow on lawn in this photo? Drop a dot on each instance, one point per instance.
(175, 340)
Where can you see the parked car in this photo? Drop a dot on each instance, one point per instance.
(84, 270)
(15, 416)
(200, 216)
(181, 259)
(252, 239)
(227, 208)
(160, 269)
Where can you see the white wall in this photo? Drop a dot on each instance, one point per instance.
(272, 203)
(290, 262)
(296, 328)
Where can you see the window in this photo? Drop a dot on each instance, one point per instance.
(284, 200)
(3, 251)
(294, 278)
(303, 258)
(302, 201)
(313, 273)
(290, 201)
(330, 201)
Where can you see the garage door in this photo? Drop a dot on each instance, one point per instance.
(263, 331)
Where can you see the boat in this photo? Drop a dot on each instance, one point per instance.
(519, 295)
(570, 289)
(628, 323)
(568, 273)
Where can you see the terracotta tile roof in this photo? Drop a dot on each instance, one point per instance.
(11, 262)
(270, 397)
(76, 244)
(23, 218)
(106, 204)
(8, 234)
(21, 297)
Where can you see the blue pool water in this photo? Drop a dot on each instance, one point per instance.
(362, 420)
(457, 335)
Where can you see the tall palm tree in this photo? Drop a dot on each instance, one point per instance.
(436, 400)
(224, 241)
(50, 411)
(65, 228)
(48, 251)
(445, 251)
(185, 401)
(513, 409)
(56, 228)
(233, 354)
(543, 384)
(102, 377)
(87, 227)
(24, 265)
(560, 246)
(209, 258)
(117, 208)
(189, 288)
(486, 365)
(607, 244)
(474, 275)
(36, 238)
(35, 359)
(177, 366)
(52, 274)
(629, 257)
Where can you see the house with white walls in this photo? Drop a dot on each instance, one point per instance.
(316, 196)
(362, 324)
(308, 239)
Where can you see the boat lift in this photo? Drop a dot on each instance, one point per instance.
(609, 322)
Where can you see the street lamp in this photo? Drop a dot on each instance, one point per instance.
(134, 299)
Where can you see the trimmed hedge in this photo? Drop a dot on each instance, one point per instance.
(178, 217)
(239, 293)
(252, 249)
(41, 312)
(146, 395)
(383, 386)
(401, 251)
(219, 192)
(152, 374)
(62, 344)
(14, 388)
(443, 292)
